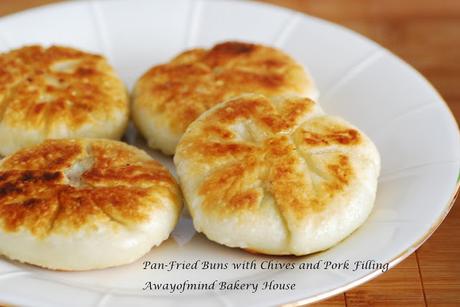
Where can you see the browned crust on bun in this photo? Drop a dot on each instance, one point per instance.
(64, 186)
(176, 93)
(58, 92)
(276, 175)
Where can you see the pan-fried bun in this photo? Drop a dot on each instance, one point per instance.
(58, 92)
(84, 204)
(276, 176)
(168, 97)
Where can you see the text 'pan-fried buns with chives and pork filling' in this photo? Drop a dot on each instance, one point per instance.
(276, 175)
(84, 204)
(58, 92)
(169, 97)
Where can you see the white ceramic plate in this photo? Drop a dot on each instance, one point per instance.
(414, 131)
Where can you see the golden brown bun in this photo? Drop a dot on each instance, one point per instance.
(276, 175)
(84, 204)
(58, 92)
(168, 97)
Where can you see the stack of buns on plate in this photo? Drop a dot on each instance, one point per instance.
(260, 165)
